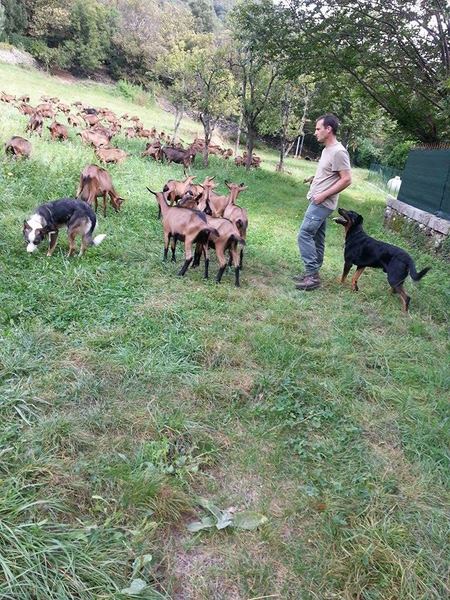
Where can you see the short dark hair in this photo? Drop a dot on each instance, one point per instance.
(329, 120)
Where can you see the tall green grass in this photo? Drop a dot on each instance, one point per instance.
(126, 393)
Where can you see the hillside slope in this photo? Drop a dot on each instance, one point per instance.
(128, 393)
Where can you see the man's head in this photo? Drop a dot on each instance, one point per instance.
(326, 128)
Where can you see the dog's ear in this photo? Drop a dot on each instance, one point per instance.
(359, 220)
(25, 225)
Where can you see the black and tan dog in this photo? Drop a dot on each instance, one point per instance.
(364, 251)
(46, 220)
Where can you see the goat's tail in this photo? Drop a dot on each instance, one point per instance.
(416, 276)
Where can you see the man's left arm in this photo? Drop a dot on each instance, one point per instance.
(345, 179)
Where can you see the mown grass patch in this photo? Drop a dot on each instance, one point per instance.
(126, 393)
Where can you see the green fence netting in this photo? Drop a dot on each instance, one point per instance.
(426, 181)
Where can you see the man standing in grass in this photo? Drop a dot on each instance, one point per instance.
(332, 176)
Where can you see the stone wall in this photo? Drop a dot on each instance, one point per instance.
(432, 231)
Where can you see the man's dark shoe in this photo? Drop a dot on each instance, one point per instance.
(299, 278)
(310, 282)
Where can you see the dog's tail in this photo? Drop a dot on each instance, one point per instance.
(98, 239)
(416, 276)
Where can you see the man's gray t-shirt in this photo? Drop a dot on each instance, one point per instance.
(333, 159)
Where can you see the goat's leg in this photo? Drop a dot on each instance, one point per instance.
(104, 204)
(173, 244)
(166, 244)
(187, 257)
(234, 254)
(206, 253)
(241, 258)
(197, 255)
(220, 253)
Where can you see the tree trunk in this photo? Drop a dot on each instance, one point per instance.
(250, 143)
(205, 119)
(178, 116)
(238, 136)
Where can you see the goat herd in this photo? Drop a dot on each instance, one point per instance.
(192, 213)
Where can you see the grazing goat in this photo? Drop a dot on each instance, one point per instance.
(35, 123)
(25, 98)
(107, 155)
(58, 131)
(152, 150)
(75, 121)
(4, 97)
(45, 111)
(25, 109)
(184, 224)
(182, 157)
(18, 146)
(91, 119)
(95, 182)
(94, 138)
(64, 108)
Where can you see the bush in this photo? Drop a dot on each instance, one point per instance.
(134, 93)
(366, 153)
(397, 155)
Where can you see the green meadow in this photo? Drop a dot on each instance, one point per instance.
(128, 394)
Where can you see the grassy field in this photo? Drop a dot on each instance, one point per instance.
(127, 394)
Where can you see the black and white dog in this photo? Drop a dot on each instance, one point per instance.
(77, 215)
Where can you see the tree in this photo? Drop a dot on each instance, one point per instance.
(147, 32)
(397, 53)
(285, 115)
(256, 67)
(91, 28)
(210, 87)
(14, 18)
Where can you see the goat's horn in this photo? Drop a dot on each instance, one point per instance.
(151, 191)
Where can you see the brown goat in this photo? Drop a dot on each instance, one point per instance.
(217, 204)
(25, 109)
(238, 216)
(94, 138)
(107, 155)
(18, 146)
(65, 108)
(58, 131)
(174, 190)
(95, 182)
(184, 224)
(25, 98)
(152, 150)
(4, 97)
(35, 123)
(91, 120)
(130, 132)
(45, 111)
(228, 238)
(75, 121)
